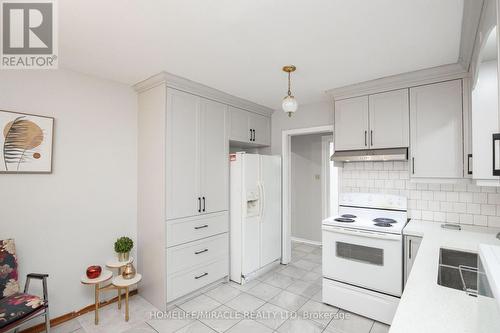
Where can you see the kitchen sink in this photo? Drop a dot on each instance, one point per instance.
(458, 270)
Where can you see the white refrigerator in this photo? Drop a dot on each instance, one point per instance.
(255, 210)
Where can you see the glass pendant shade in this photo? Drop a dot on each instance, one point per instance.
(289, 105)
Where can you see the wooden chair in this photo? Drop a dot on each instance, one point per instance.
(16, 308)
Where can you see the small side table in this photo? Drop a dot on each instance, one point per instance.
(115, 264)
(105, 276)
(120, 283)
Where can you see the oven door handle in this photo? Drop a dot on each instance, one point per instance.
(363, 233)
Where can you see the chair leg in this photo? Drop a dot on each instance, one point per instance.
(47, 320)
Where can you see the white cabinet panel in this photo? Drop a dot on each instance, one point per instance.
(412, 243)
(436, 130)
(196, 253)
(351, 123)
(183, 283)
(261, 125)
(214, 157)
(183, 158)
(484, 120)
(389, 119)
(248, 127)
(239, 127)
(186, 230)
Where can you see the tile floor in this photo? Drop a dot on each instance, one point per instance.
(295, 288)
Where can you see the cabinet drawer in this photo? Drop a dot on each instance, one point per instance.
(182, 257)
(182, 284)
(195, 228)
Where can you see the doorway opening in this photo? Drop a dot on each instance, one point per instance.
(310, 185)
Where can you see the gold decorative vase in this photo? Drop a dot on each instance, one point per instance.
(128, 272)
(123, 256)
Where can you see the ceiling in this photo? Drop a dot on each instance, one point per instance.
(240, 46)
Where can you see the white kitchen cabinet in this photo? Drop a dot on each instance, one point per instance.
(412, 244)
(183, 154)
(485, 96)
(484, 122)
(197, 162)
(351, 123)
(372, 122)
(249, 128)
(261, 127)
(239, 128)
(183, 220)
(389, 119)
(214, 157)
(436, 130)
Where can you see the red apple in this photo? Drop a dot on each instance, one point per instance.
(93, 272)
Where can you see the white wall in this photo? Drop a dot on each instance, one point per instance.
(311, 115)
(306, 182)
(65, 221)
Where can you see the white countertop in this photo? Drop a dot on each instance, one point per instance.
(490, 257)
(426, 306)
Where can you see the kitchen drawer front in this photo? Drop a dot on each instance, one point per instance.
(181, 284)
(195, 228)
(186, 256)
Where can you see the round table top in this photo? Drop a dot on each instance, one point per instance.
(117, 264)
(119, 281)
(105, 275)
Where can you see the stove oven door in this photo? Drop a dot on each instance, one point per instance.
(366, 259)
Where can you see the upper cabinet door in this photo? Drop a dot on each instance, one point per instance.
(389, 119)
(436, 130)
(239, 127)
(214, 157)
(261, 127)
(183, 155)
(351, 123)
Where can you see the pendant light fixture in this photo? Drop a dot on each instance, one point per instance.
(289, 103)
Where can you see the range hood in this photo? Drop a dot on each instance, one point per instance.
(393, 154)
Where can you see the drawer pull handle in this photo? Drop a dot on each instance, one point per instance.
(201, 226)
(200, 276)
(198, 252)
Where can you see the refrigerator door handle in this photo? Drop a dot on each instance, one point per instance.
(262, 200)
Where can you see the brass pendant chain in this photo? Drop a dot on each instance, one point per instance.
(289, 91)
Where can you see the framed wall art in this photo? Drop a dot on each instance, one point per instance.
(25, 143)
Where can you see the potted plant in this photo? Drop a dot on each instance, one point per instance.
(123, 245)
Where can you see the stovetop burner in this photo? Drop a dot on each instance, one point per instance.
(349, 216)
(343, 219)
(384, 220)
(383, 224)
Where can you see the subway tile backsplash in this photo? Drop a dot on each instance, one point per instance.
(455, 203)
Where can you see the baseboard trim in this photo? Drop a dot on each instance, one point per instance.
(306, 241)
(72, 315)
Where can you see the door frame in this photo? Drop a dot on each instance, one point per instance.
(286, 135)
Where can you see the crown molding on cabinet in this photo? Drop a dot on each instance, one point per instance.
(399, 81)
(180, 83)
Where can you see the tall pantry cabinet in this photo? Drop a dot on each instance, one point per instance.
(183, 203)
